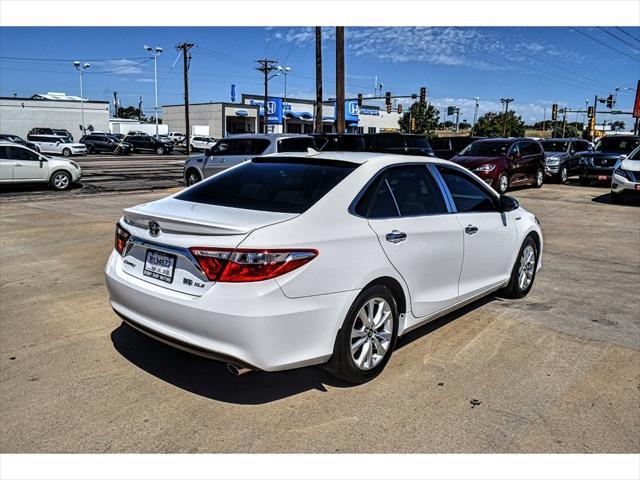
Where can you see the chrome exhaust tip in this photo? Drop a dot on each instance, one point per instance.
(236, 370)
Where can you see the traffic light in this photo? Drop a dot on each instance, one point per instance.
(389, 108)
(451, 110)
(592, 124)
(423, 95)
(359, 99)
(387, 98)
(590, 112)
(610, 101)
(399, 109)
(554, 112)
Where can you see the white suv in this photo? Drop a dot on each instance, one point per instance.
(19, 164)
(625, 180)
(57, 144)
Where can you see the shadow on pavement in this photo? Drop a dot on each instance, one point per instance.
(606, 199)
(211, 379)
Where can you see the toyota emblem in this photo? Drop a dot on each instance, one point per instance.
(154, 228)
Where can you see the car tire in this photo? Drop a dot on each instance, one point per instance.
(585, 182)
(563, 175)
(60, 180)
(538, 181)
(66, 152)
(357, 351)
(523, 273)
(192, 177)
(90, 149)
(160, 150)
(616, 197)
(503, 183)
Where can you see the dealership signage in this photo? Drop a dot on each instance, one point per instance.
(275, 109)
(369, 111)
(351, 111)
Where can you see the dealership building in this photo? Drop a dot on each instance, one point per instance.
(293, 115)
(18, 115)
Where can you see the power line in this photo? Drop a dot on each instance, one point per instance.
(628, 34)
(619, 39)
(68, 59)
(603, 44)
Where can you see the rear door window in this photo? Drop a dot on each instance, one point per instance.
(295, 144)
(259, 145)
(289, 185)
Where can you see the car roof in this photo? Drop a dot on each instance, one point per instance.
(269, 136)
(360, 157)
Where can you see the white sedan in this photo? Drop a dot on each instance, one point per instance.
(299, 259)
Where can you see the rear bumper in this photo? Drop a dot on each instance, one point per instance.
(594, 172)
(251, 324)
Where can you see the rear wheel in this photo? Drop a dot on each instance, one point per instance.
(539, 179)
(60, 180)
(66, 152)
(193, 177)
(503, 183)
(524, 270)
(160, 150)
(367, 337)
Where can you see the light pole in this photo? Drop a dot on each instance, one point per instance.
(285, 71)
(475, 115)
(81, 69)
(505, 102)
(155, 53)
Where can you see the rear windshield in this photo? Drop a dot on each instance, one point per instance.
(617, 144)
(296, 144)
(289, 186)
(486, 149)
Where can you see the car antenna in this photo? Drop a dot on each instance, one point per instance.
(312, 152)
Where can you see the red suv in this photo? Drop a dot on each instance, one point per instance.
(504, 162)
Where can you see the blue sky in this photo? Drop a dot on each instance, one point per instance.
(535, 66)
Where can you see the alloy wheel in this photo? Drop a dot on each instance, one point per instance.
(61, 181)
(563, 175)
(539, 178)
(526, 268)
(503, 183)
(371, 333)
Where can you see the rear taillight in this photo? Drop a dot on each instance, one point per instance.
(247, 265)
(121, 238)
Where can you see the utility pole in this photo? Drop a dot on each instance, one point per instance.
(115, 104)
(564, 120)
(505, 102)
(266, 66)
(317, 115)
(340, 123)
(140, 109)
(186, 60)
(475, 113)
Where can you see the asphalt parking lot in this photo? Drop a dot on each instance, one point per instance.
(558, 371)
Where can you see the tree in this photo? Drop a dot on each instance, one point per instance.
(617, 125)
(426, 119)
(445, 125)
(492, 125)
(130, 112)
(570, 131)
(464, 125)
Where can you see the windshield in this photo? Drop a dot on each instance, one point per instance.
(617, 144)
(555, 145)
(485, 149)
(292, 185)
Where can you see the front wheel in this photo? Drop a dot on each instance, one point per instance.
(160, 150)
(539, 180)
(503, 183)
(367, 337)
(563, 175)
(524, 270)
(60, 180)
(66, 152)
(193, 177)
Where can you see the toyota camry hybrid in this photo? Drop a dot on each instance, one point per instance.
(298, 259)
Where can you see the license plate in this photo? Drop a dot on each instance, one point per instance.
(159, 265)
(603, 177)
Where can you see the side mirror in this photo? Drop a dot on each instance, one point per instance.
(623, 157)
(508, 204)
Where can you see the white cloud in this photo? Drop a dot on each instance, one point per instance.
(120, 67)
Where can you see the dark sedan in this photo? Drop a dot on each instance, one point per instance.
(599, 164)
(19, 141)
(101, 142)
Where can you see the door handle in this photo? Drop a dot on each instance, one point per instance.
(470, 229)
(17, 164)
(396, 236)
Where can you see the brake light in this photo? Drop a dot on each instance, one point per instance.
(248, 265)
(121, 238)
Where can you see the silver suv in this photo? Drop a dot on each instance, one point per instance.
(231, 151)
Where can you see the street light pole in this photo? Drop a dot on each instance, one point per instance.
(81, 70)
(475, 114)
(155, 53)
(285, 71)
